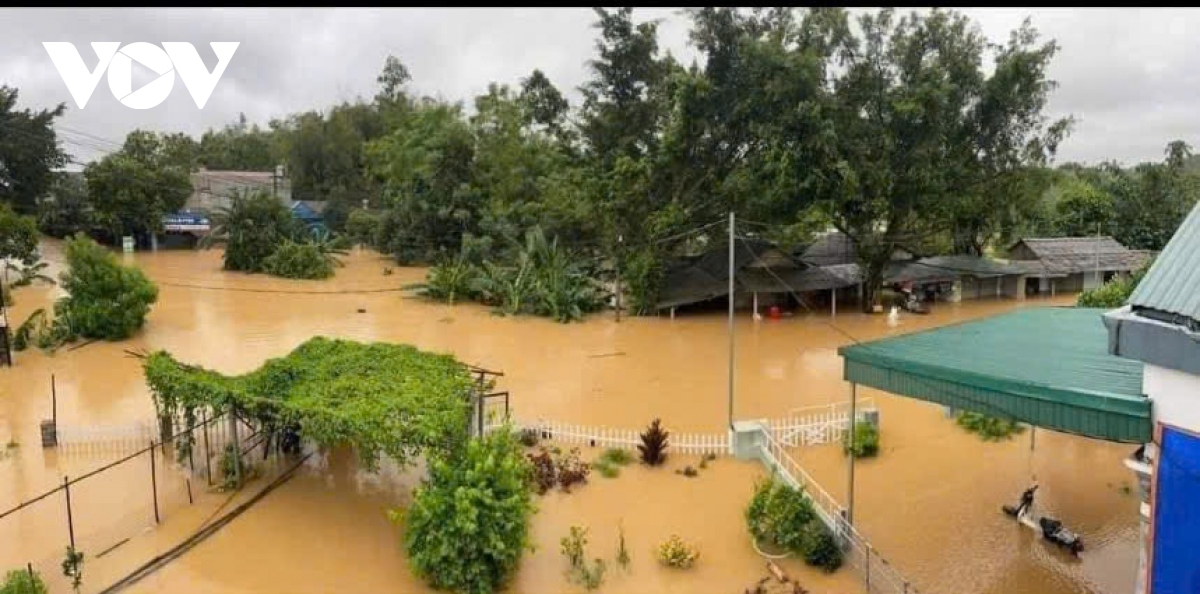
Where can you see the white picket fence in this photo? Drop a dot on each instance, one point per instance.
(816, 425)
(626, 439)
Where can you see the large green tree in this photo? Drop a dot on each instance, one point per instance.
(133, 188)
(920, 135)
(29, 151)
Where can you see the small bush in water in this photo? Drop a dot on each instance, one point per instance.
(989, 428)
(677, 553)
(299, 260)
(866, 441)
(21, 581)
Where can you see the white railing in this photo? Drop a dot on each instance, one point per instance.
(878, 575)
(820, 424)
(132, 436)
(628, 439)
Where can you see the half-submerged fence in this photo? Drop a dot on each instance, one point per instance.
(878, 575)
(100, 510)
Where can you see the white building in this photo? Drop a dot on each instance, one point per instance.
(1161, 328)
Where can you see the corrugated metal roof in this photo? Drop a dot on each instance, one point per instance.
(1172, 284)
(833, 248)
(1070, 255)
(1047, 366)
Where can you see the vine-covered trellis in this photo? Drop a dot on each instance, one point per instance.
(383, 399)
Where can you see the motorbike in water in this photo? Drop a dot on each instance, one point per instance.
(1051, 529)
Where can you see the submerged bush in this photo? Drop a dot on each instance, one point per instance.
(784, 517)
(299, 260)
(989, 428)
(469, 522)
(21, 581)
(865, 443)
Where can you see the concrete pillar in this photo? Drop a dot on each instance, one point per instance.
(833, 303)
(998, 286)
(1052, 287)
(747, 438)
(756, 304)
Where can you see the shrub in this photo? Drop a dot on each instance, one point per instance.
(105, 299)
(865, 443)
(654, 444)
(251, 228)
(822, 549)
(1115, 292)
(528, 437)
(18, 236)
(677, 553)
(299, 260)
(622, 550)
(989, 428)
(469, 522)
(571, 469)
(573, 548)
(616, 457)
(780, 515)
(21, 581)
(362, 227)
(607, 469)
(542, 468)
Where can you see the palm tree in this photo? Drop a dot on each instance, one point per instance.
(30, 273)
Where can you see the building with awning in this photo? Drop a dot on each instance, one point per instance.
(763, 275)
(1046, 366)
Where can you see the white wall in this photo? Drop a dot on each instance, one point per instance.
(1175, 394)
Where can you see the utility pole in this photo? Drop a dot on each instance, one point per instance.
(620, 241)
(275, 181)
(731, 271)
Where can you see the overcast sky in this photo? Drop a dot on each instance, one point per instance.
(1123, 73)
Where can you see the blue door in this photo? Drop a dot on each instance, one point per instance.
(1175, 568)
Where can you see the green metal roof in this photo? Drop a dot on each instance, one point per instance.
(1172, 285)
(1047, 366)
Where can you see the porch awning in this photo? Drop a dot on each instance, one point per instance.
(1047, 366)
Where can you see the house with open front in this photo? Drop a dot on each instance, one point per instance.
(1073, 264)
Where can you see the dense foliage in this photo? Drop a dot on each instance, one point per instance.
(535, 277)
(29, 151)
(251, 228)
(865, 443)
(261, 235)
(130, 190)
(381, 398)
(783, 516)
(469, 521)
(299, 260)
(18, 236)
(105, 299)
(653, 448)
(21, 581)
(908, 131)
(988, 428)
(1115, 292)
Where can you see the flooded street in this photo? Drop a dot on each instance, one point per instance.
(930, 502)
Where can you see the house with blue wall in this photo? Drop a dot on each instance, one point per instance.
(1160, 327)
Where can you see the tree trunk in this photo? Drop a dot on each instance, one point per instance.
(872, 281)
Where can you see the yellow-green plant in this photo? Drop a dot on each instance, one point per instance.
(675, 552)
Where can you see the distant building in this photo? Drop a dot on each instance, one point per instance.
(1072, 264)
(213, 189)
(1161, 328)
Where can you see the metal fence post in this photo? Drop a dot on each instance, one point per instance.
(207, 451)
(154, 483)
(70, 518)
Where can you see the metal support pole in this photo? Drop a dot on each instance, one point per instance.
(54, 402)
(620, 240)
(70, 518)
(868, 567)
(154, 482)
(189, 490)
(731, 271)
(833, 302)
(850, 491)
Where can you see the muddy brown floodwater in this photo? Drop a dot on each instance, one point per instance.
(930, 502)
